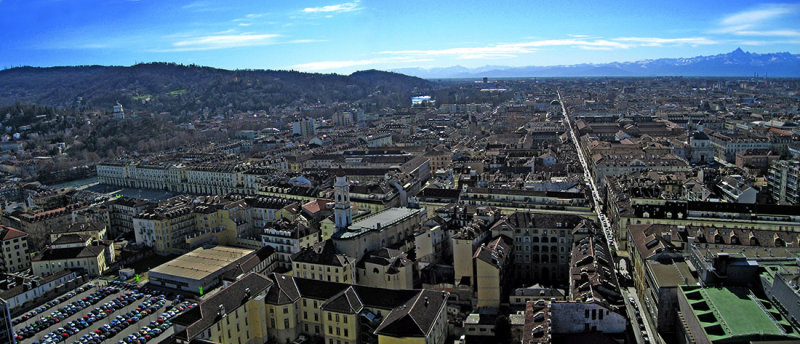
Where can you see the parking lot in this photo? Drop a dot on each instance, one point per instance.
(110, 314)
(64, 299)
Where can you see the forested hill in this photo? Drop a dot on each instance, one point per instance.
(173, 87)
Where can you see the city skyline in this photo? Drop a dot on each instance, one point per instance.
(345, 36)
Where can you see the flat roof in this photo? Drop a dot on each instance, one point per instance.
(671, 275)
(750, 252)
(201, 262)
(735, 312)
(385, 218)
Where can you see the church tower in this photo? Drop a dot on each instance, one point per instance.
(341, 191)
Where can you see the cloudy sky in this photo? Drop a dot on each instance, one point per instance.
(336, 36)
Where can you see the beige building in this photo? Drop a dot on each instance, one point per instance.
(348, 314)
(236, 314)
(14, 255)
(491, 262)
(74, 252)
(96, 230)
(373, 232)
(440, 157)
(322, 262)
(386, 268)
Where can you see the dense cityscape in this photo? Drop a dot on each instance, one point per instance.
(414, 172)
(558, 210)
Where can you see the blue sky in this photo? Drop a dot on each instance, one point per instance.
(347, 35)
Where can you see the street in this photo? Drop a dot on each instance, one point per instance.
(628, 293)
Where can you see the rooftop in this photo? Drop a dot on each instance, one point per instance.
(382, 219)
(672, 275)
(730, 312)
(201, 262)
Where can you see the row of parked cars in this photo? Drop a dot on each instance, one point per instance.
(120, 322)
(50, 304)
(99, 314)
(158, 326)
(62, 313)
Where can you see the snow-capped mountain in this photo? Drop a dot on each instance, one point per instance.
(735, 63)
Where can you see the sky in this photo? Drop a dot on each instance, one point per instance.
(343, 36)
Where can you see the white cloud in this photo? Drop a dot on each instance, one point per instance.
(773, 33)
(299, 41)
(756, 16)
(744, 22)
(657, 42)
(196, 4)
(770, 42)
(212, 42)
(201, 6)
(510, 50)
(338, 8)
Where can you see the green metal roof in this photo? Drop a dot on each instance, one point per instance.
(730, 312)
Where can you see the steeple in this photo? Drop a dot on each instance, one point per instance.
(341, 192)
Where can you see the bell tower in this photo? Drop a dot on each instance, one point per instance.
(341, 192)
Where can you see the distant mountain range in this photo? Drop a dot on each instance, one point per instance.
(735, 63)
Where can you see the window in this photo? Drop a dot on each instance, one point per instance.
(345, 332)
(286, 323)
(330, 329)
(345, 319)
(329, 317)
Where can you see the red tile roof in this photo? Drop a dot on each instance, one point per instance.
(8, 233)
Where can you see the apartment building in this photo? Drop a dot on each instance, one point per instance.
(14, 256)
(783, 180)
(214, 178)
(183, 223)
(233, 315)
(121, 213)
(386, 268)
(491, 264)
(348, 314)
(288, 238)
(321, 261)
(74, 252)
(542, 243)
